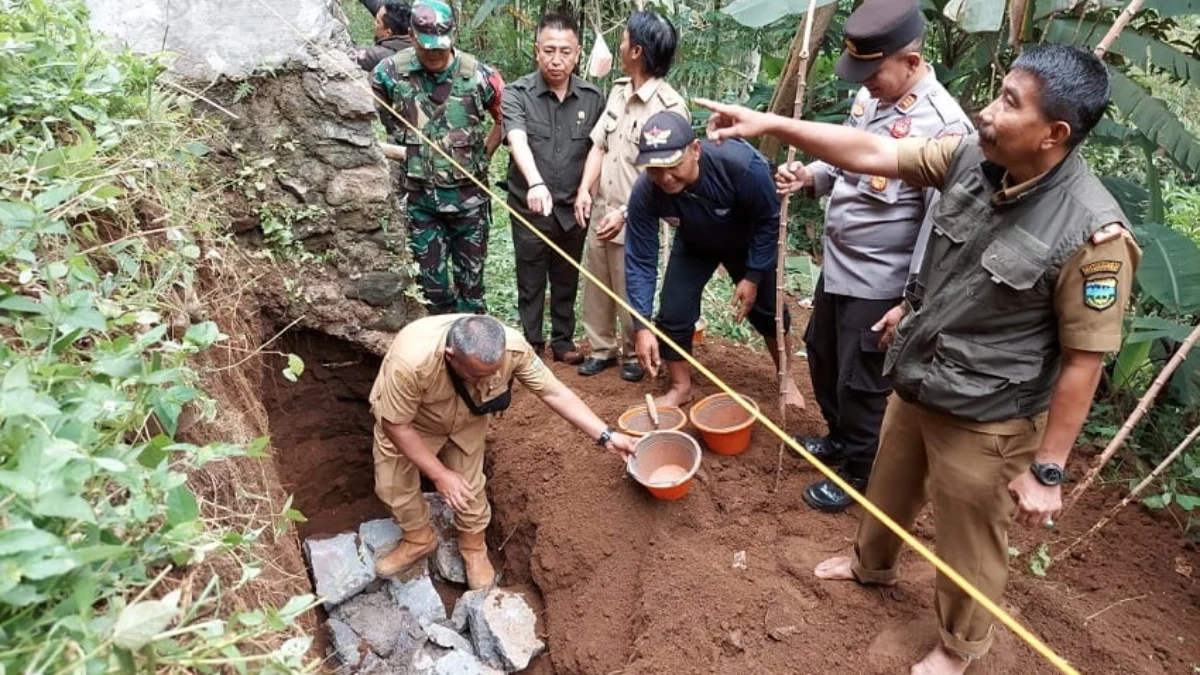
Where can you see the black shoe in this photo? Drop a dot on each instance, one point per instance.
(828, 451)
(572, 357)
(632, 371)
(591, 366)
(827, 497)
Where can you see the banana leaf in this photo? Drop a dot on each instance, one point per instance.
(759, 13)
(1170, 268)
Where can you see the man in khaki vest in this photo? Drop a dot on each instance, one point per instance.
(441, 378)
(998, 346)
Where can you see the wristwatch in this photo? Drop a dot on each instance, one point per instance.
(605, 437)
(1048, 474)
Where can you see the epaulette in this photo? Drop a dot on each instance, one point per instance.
(1108, 233)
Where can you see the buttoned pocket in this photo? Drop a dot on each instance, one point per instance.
(881, 189)
(975, 380)
(1014, 262)
(537, 130)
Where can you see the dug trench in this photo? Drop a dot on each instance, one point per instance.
(628, 584)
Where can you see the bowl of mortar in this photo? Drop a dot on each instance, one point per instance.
(636, 421)
(665, 462)
(724, 425)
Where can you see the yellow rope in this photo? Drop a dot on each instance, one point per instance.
(1012, 624)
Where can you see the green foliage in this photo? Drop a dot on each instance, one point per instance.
(1040, 561)
(95, 500)
(359, 22)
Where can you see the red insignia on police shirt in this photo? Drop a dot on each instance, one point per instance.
(901, 128)
(907, 103)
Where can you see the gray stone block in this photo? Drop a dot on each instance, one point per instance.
(446, 637)
(419, 597)
(462, 663)
(339, 570)
(348, 646)
(385, 628)
(504, 630)
(378, 536)
(467, 602)
(447, 561)
(361, 185)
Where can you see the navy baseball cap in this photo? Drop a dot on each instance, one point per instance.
(664, 139)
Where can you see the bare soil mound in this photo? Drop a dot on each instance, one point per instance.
(634, 585)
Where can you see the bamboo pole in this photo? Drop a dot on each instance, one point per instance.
(1133, 494)
(1142, 407)
(781, 256)
(1111, 36)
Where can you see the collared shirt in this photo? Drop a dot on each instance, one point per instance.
(559, 137)
(732, 206)
(617, 135)
(369, 58)
(926, 162)
(873, 224)
(414, 387)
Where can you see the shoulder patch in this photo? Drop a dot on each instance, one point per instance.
(1100, 292)
(910, 99)
(1107, 233)
(1101, 267)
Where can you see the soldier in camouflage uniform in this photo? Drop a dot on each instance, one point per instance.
(443, 93)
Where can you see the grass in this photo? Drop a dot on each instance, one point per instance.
(359, 22)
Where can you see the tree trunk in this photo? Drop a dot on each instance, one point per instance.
(785, 93)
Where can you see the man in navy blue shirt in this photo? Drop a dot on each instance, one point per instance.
(722, 203)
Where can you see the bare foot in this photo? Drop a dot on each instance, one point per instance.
(939, 661)
(675, 397)
(841, 568)
(793, 397)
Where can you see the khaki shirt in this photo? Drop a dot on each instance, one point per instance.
(873, 224)
(617, 135)
(413, 386)
(1108, 255)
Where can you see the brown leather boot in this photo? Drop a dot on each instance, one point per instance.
(413, 549)
(480, 573)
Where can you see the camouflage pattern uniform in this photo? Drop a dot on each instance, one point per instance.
(448, 215)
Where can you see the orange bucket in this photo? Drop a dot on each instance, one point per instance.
(698, 334)
(665, 462)
(724, 425)
(636, 421)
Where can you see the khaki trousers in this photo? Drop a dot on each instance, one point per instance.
(398, 484)
(606, 260)
(964, 469)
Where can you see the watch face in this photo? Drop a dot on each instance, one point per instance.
(1051, 474)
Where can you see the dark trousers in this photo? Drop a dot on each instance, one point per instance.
(535, 264)
(845, 362)
(688, 272)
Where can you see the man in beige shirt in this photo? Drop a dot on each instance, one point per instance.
(441, 378)
(646, 50)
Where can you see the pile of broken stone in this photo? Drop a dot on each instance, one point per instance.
(384, 626)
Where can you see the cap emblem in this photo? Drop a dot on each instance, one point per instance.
(655, 136)
(853, 49)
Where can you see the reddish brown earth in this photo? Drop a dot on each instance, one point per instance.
(634, 585)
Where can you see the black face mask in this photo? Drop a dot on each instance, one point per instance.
(490, 407)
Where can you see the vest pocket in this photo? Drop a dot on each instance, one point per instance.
(977, 381)
(1012, 266)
